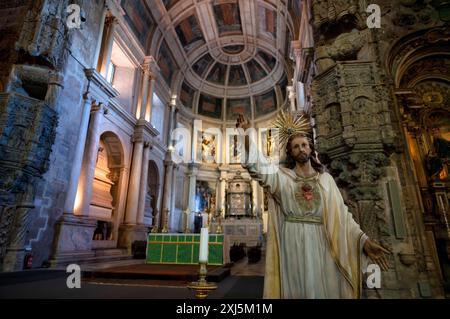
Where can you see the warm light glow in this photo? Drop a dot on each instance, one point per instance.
(443, 174)
(78, 201)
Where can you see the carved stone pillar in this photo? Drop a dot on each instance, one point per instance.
(144, 183)
(84, 193)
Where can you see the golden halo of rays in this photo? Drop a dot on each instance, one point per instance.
(288, 124)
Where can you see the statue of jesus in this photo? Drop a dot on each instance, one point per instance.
(314, 246)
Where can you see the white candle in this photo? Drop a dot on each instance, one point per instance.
(204, 238)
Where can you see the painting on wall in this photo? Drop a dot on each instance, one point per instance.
(205, 197)
(166, 63)
(268, 21)
(202, 64)
(265, 103)
(190, 33)
(236, 76)
(138, 17)
(236, 107)
(187, 95)
(210, 106)
(207, 147)
(255, 70)
(228, 18)
(217, 74)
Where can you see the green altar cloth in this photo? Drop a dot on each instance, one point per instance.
(182, 249)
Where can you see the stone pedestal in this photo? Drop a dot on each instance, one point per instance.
(74, 239)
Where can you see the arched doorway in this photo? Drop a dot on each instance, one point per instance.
(420, 65)
(105, 191)
(151, 213)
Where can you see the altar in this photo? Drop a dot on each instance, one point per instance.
(240, 231)
(183, 249)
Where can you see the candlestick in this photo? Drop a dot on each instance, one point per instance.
(204, 238)
(202, 287)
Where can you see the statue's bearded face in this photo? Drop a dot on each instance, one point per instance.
(300, 149)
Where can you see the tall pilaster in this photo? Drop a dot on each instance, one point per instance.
(141, 110)
(84, 192)
(135, 177)
(77, 162)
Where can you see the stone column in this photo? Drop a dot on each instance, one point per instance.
(144, 183)
(222, 192)
(135, 180)
(77, 162)
(140, 113)
(111, 25)
(148, 109)
(193, 171)
(84, 192)
(165, 210)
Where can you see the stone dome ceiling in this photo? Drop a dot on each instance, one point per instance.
(226, 57)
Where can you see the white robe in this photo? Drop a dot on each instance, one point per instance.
(310, 260)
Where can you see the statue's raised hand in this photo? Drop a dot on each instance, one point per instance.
(243, 122)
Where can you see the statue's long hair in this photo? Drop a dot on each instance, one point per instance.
(290, 161)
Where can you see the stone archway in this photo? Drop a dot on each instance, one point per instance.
(151, 213)
(106, 191)
(419, 65)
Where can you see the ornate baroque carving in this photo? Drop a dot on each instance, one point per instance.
(44, 33)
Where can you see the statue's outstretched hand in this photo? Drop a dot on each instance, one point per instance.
(377, 254)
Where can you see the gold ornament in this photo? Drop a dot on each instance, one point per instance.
(288, 124)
